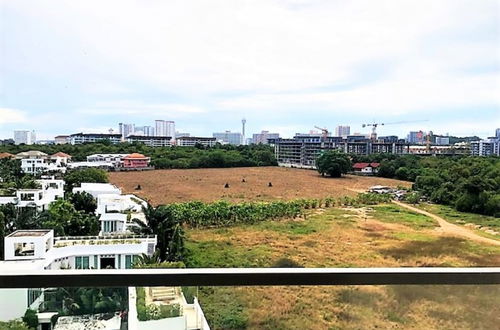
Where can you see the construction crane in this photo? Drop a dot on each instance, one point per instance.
(324, 132)
(374, 126)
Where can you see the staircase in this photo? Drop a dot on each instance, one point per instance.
(163, 293)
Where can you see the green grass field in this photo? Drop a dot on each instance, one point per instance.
(378, 236)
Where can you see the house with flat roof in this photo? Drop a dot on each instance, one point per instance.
(96, 189)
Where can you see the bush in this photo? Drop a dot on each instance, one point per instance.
(286, 263)
(31, 318)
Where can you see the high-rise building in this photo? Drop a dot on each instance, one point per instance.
(442, 140)
(263, 137)
(126, 129)
(24, 137)
(144, 131)
(497, 133)
(229, 137)
(343, 131)
(165, 128)
(243, 123)
(416, 137)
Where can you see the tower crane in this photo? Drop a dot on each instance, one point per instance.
(374, 126)
(324, 132)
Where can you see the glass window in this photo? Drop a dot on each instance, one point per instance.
(128, 262)
(82, 262)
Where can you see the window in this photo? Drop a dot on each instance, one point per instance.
(82, 262)
(24, 249)
(130, 260)
(109, 226)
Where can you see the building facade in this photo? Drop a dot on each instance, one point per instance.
(485, 147)
(191, 141)
(342, 131)
(263, 137)
(229, 137)
(126, 129)
(80, 138)
(24, 137)
(152, 141)
(165, 128)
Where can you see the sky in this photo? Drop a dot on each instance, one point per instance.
(285, 65)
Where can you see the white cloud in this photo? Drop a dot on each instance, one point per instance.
(134, 108)
(8, 116)
(390, 57)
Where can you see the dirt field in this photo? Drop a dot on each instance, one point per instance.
(170, 186)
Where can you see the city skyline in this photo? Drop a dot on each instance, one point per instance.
(407, 61)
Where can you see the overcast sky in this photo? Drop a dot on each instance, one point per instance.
(284, 65)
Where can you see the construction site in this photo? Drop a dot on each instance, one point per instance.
(302, 150)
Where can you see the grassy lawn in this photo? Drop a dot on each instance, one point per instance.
(395, 214)
(454, 216)
(379, 236)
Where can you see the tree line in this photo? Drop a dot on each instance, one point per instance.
(166, 157)
(467, 183)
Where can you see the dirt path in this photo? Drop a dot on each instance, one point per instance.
(450, 228)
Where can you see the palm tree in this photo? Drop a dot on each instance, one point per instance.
(160, 221)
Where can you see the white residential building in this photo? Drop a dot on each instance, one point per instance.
(487, 147)
(191, 141)
(39, 250)
(36, 162)
(96, 189)
(116, 212)
(342, 131)
(165, 128)
(24, 137)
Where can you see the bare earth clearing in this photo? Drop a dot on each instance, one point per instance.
(171, 186)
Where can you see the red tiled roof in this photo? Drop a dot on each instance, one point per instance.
(360, 165)
(61, 154)
(6, 155)
(135, 155)
(363, 165)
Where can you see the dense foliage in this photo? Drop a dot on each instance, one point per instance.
(470, 184)
(74, 178)
(13, 325)
(333, 163)
(30, 318)
(174, 157)
(79, 301)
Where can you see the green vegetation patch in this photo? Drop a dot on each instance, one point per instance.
(396, 214)
(451, 215)
(223, 308)
(223, 253)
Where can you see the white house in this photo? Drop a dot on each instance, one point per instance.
(113, 223)
(39, 250)
(96, 189)
(36, 162)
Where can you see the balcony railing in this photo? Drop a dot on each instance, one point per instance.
(249, 277)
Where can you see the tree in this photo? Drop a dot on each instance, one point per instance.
(30, 318)
(92, 175)
(162, 222)
(333, 163)
(83, 201)
(67, 221)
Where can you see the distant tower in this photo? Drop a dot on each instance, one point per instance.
(243, 122)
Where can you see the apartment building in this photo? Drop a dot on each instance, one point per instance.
(24, 137)
(263, 137)
(229, 137)
(80, 138)
(152, 141)
(191, 141)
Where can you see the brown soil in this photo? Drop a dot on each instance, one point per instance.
(170, 186)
